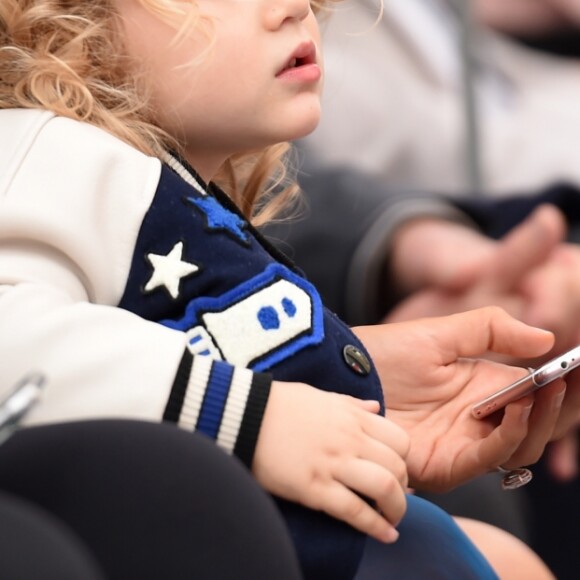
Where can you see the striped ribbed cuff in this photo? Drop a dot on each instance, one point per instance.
(224, 402)
(179, 388)
(252, 419)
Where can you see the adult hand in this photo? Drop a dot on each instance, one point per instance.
(569, 419)
(552, 294)
(322, 449)
(525, 17)
(529, 273)
(562, 457)
(460, 269)
(568, 9)
(546, 295)
(430, 387)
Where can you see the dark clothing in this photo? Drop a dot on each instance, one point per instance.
(148, 501)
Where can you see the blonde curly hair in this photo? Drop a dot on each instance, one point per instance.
(68, 56)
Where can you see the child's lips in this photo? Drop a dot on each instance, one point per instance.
(305, 73)
(303, 56)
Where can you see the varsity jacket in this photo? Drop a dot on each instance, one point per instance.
(143, 293)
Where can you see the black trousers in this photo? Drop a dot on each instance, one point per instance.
(34, 544)
(137, 500)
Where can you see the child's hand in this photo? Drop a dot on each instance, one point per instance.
(430, 388)
(322, 449)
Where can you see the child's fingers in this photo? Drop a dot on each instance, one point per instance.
(377, 483)
(388, 433)
(367, 405)
(340, 502)
(385, 456)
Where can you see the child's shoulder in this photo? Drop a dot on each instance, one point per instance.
(59, 147)
(26, 130)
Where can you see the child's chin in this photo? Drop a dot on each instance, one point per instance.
(305, 133)
(307, 125)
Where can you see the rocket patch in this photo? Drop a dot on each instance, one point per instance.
(257, 324)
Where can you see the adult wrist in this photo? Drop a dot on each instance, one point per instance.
(372, 287)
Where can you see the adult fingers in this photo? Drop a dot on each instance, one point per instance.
(475, 332)
(562, 457)
(499, 446)
(543, 418)
(569, 418)
(526, 246)
(568, 9)
(552, 294)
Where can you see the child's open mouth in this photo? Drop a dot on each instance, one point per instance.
(303, 56)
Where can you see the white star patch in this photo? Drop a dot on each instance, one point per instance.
(169, 270)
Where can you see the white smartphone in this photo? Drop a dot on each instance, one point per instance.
(548, 372)
(19, 401)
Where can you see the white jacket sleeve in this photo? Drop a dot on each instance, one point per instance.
(72, 200)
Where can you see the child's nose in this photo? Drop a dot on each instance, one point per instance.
(279, 11)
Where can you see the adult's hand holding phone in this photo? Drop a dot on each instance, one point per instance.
(431, 382)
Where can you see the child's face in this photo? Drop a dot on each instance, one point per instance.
(241, 96)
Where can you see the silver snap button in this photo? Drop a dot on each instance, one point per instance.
(356, 360)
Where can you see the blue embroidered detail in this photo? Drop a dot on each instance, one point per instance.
(269, 318)
(219, 218)
(200, 342)
(289, 307)
(194, 342)
(261, 322)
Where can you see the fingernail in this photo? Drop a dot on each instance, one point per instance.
(526, 413)
(390, 536)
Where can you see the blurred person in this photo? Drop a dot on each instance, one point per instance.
(394, 102)
(548, 25)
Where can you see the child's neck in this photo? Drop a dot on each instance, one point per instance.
(205, 164)
(184, 170)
